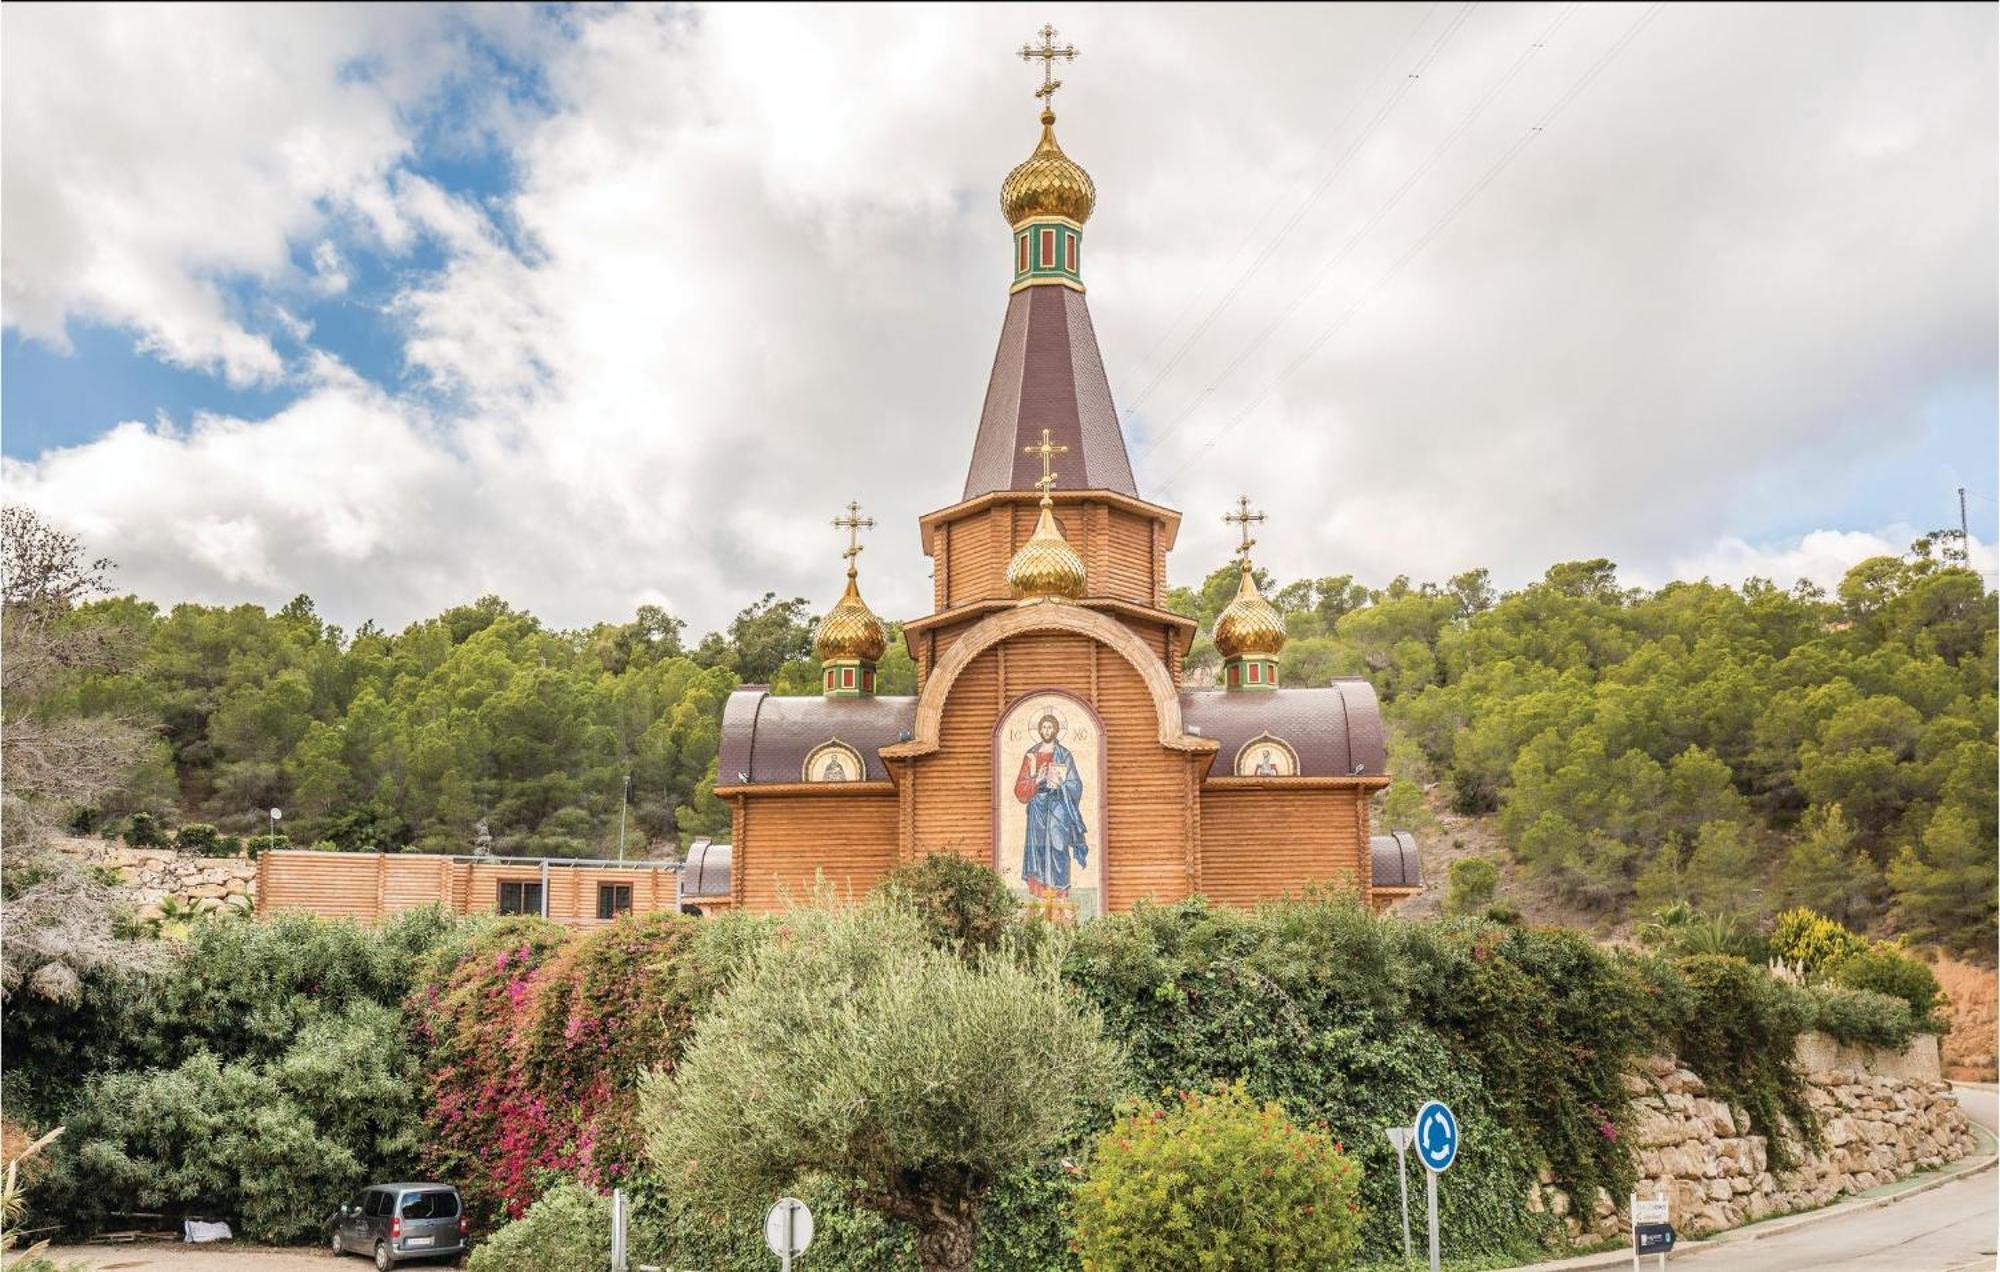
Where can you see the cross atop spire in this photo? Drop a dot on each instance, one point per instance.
(1048, 450)
(1243, 518)
(1048, 53)
(854, 523)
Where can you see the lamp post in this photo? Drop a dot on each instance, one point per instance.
(624, 798)
(276, 815)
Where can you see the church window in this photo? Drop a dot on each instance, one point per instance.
(847, 677)
(1069, 252)
(1022, 255)
(1048, 249)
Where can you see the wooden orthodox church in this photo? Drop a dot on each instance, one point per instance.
(1053, 734)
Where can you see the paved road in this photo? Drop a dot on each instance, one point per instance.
(1944, 1230)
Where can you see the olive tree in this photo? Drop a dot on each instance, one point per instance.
(850, 1047)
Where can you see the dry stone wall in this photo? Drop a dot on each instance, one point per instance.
(152, 876)
(1696, 1151)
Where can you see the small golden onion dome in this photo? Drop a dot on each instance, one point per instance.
(1046, 565)
(1048, 183)
(850, 630)
(1249, 625)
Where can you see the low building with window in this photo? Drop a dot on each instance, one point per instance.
(372, 885)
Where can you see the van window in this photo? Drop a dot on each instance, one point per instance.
(378, 1204)
(437, 1204)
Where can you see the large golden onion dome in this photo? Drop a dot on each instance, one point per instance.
(1249, 625)
(850, 630)
(1046, 565)
(1048, 183)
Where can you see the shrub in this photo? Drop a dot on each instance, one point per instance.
(1812, 944)
(1214, 1181)
(1887, 970)
(143, 831)
(1738, 1027)
(965, 907)
(1862, 1015)
(1470, 886)
(568, 1230)
(851, 1047)
(197, 839)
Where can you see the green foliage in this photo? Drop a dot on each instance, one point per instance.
(257, 1076)
(1888, 970)
(271, 1146)
(1354, 1020)
(1812, 944)
(143, 831)
(965, 907)
(1214, 1181)
(1862, 1015)
(1825, 870)
(851, 1047)
(1683, 930)
(1470, 885)
(1739, 1030)
(197, 839)
(567, 1230)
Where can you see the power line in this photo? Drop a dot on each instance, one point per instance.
(1194, 297)
(1340, 166)
(1437, 227)
(1367, 227)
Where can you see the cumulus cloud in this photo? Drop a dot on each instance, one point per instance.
(752, 266)
(1822, 557)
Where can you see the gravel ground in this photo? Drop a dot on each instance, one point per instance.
(231, 1256)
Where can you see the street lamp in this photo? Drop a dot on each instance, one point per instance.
(276, 815)
(624, 798)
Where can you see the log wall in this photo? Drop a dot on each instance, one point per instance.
(783, 843)
(372, 886)
(1263, 841)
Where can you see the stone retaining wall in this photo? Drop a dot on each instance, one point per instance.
(1697, 1151)
(154, 875)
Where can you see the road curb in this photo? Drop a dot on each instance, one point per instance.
(1966, 1168)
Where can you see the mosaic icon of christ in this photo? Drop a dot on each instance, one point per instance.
(1052, 789)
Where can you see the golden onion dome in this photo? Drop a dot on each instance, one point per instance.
(1046, 565)
(1048, 183)
(1249, 624)
(850, 630)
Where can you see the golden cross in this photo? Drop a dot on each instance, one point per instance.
(1048, 52)
(1048, 450)
(854, 523)
(1243, 517)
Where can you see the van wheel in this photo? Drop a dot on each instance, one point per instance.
(383, 1259)
(338, 1249)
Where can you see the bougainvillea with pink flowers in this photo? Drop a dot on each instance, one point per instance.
(533, 1042)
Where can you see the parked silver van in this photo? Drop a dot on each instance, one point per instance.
(394, 1222)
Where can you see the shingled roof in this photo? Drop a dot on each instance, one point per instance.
(1335, 730)
(1393, 861)
(766, 738)
(1048, 374)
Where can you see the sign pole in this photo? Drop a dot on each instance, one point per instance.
(1399, 1139)
(1431, 1193)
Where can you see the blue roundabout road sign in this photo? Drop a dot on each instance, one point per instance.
(1436, 1136)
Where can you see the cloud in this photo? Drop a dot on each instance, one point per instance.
(1821, 557)
(751, 266)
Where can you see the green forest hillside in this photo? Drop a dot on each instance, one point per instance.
(1741, 748)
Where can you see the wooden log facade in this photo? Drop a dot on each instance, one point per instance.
(1049, 603)
(372, 886)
